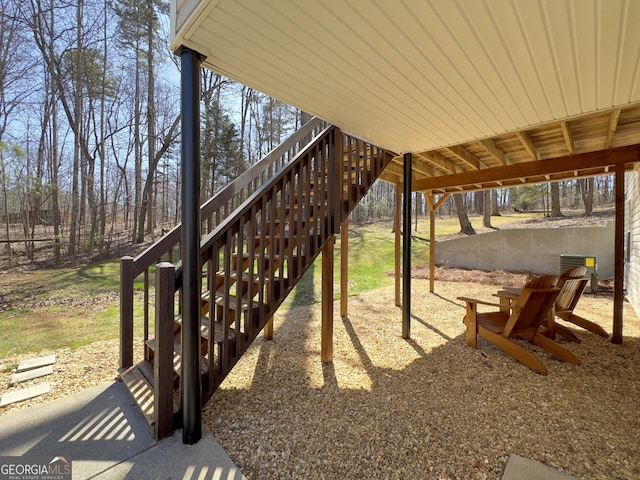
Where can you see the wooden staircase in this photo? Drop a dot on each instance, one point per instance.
(252, 257)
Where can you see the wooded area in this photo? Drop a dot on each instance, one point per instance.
(89, 132)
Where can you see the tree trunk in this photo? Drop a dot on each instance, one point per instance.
(75, 194)
(102, 150)
(586, 189)
(3, 177)
(417, 210)
(486, 211)
(555, 200)
(53, 157)
(478, 201)
(137, 202)
(495, 211)
(463, 218)
(151, 122)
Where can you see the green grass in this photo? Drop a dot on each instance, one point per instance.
(67, 307)
(371, 264)
(62, 307)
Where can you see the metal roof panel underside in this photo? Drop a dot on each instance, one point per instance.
(504, 80)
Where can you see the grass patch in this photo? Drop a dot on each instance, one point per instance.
(72, 307)
(62, 307)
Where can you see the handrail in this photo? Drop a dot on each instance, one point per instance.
(212, 213)
(272, 161)
(251, 201)
(255, 256)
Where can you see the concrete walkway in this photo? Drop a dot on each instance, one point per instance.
(106, 437)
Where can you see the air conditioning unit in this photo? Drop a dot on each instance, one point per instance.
(589, 261)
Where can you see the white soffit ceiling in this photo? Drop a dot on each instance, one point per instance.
(414, 75)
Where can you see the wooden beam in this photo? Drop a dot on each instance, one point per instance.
(163, 359)
(126, 312)
(395, 167)
(441, 200)
(613, 126)
(424, 169)
(439, 161)
(433, 206)
(618, 257)
(267, 331)
(463, 154)
(528, 145)
(520, 171)
(568, 136)
(344, 266)
(326, 340)
(493, 150)
(398, 171)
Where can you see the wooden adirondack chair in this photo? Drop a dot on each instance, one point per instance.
(572, 284)
(522, 319)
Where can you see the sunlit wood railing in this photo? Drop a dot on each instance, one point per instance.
(212, 213)
(257, 256)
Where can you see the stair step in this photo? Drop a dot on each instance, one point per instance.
(204, 323)
(139, 381)
(288, 241)
(245, 277)
(218, 330)
(233, 302)
(177, 356)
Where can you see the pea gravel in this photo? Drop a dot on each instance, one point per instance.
(424, 408)
(429, 407)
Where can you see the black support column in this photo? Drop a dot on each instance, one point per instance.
(191, 276)
(406, 249)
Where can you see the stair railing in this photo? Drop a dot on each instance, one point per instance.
(212, 213)
(255, 257)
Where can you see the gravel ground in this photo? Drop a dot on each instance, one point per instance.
(429, 407)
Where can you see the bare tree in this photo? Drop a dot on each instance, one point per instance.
(486, 209)
(463, 218)
(495, 210)
(555, 200)
(586, 190)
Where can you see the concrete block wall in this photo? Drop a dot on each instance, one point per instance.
(535, 250)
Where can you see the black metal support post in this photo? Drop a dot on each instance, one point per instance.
(406, 249)
(191, 275)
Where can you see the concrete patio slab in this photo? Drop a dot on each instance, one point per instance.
(24, 394)
(520, 468)
(105, 436)
(20, 377)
